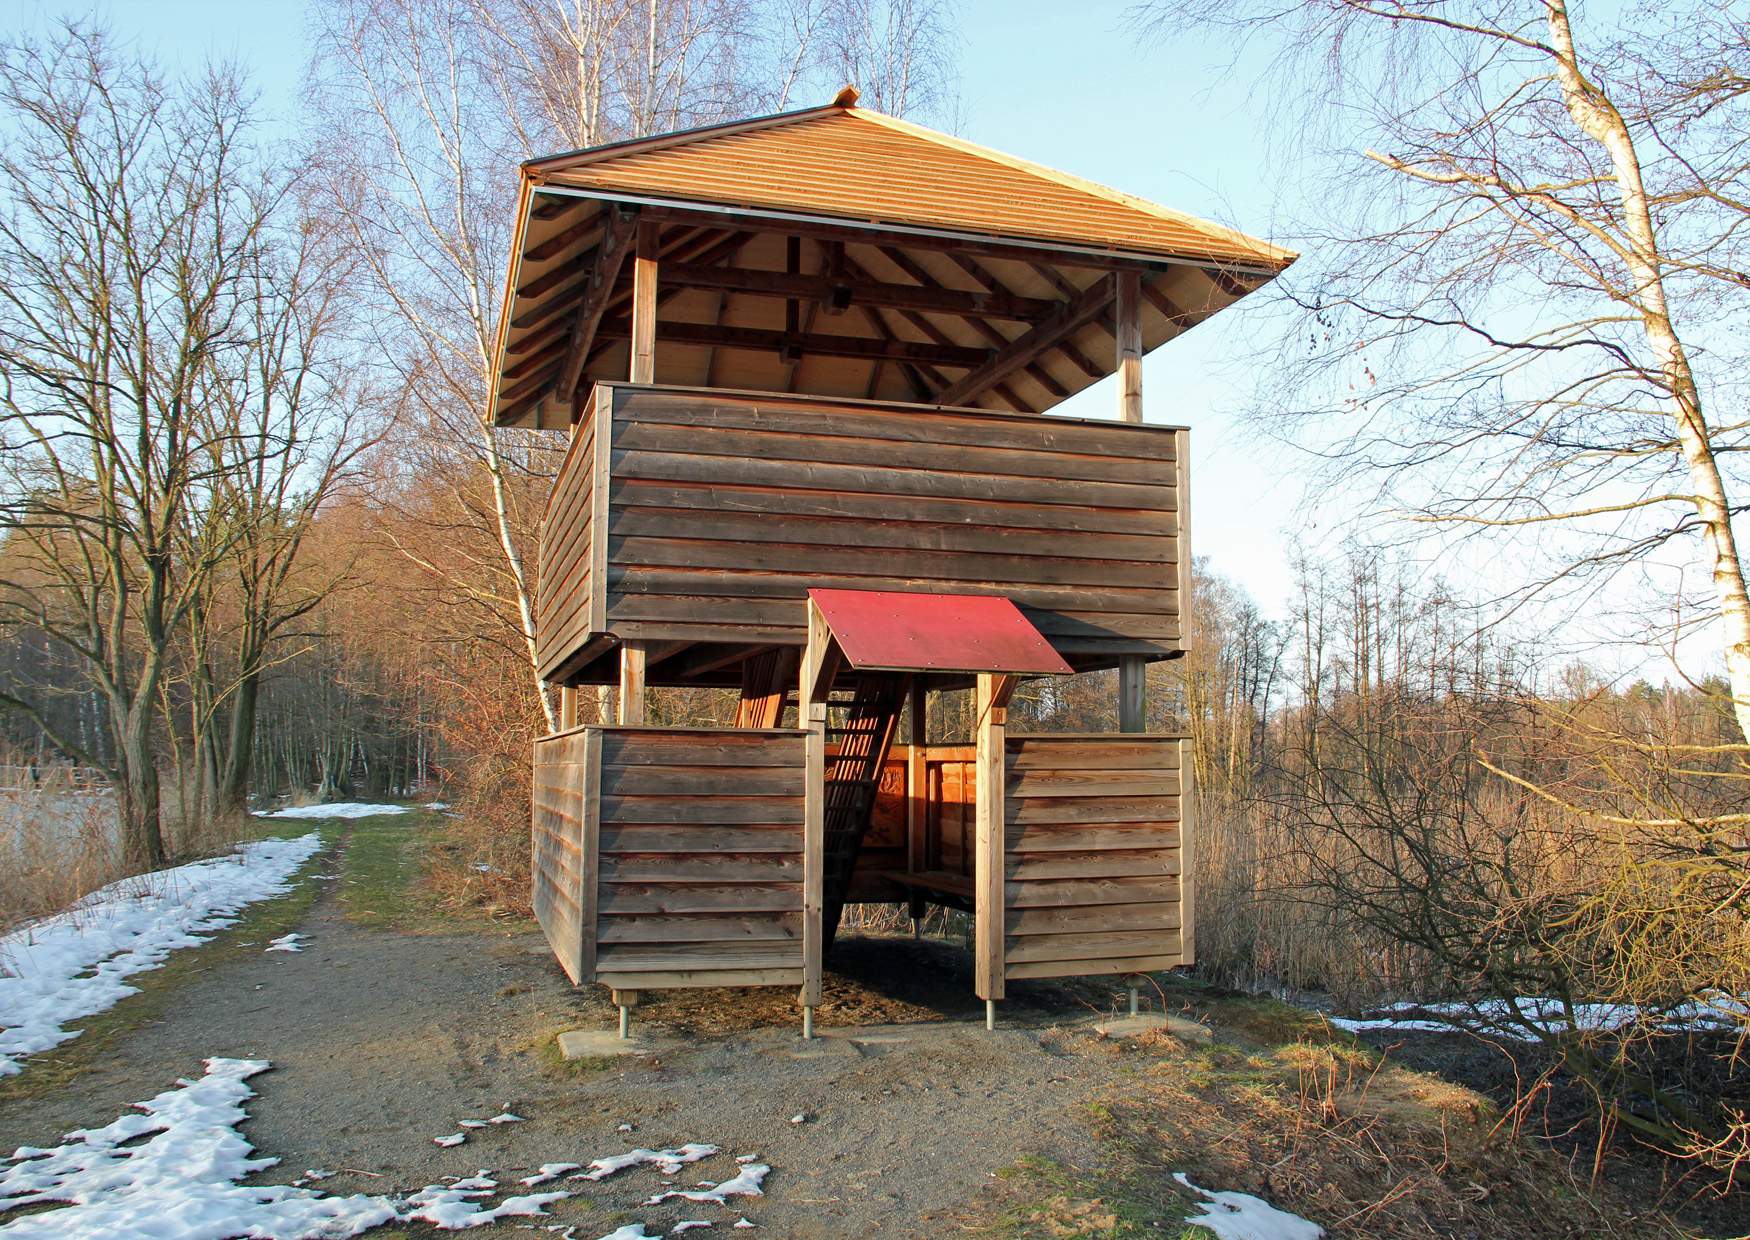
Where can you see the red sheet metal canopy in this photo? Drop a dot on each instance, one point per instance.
(892, 631)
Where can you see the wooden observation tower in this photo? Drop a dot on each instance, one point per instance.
(805, 362)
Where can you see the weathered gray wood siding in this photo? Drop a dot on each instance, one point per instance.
(1093, 855)
(700, 863)
(560, 880)
(566, 574)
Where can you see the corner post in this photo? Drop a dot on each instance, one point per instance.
(988, 868)
(1127, 329)
(916, 795)
(644, 270)
(634, 658)
(820, 659)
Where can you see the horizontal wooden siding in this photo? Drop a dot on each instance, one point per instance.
(559, 880)
(700, 872)
(724, 509)
(1092, 855)
(563, 599)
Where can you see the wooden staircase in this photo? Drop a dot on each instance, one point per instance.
(852, 774)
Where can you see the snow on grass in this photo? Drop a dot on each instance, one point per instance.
(293, 942)
(745, 1184)
(340, 809)
(451, 1141)
(72, 965)
(668, 1162)
(1524, 1019)
(171, 1172)
(1241, 1216)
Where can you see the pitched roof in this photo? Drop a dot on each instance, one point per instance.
(862, 166)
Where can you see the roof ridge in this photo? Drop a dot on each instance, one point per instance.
(1066, 179)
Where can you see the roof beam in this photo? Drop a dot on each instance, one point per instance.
(610, 256)
(764, 341)
(935, 298)
(1027, 347)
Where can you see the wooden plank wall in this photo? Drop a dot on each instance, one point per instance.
(700, 876)
(560, 865)
(1092, 855)
(562, 597)
(725, 508)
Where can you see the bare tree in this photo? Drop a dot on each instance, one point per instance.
(286, 428)
(128, 216)
(1529, 319)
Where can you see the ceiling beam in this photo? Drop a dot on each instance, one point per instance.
(764, 341)
(1027, 347)
(610, 256)
(935, 299)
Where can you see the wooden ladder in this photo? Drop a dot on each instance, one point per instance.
(852, 776)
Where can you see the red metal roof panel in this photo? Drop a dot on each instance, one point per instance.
(887, 630)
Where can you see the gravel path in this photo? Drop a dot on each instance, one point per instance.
(382, 1040)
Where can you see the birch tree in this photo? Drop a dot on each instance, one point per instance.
(1524, 305)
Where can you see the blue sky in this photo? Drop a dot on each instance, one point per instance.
(1068, 85)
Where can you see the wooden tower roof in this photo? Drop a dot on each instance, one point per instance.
(838, 252)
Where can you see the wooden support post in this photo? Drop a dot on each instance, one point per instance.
(1128, 329)
(1187, 851)
(991, 716)
(567, 707)
(819, 665)
(1132, 693)
(634, 657)
(644, 303)
(917, 802)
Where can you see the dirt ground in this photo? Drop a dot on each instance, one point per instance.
(919, 1122)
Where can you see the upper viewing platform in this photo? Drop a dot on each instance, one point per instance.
(837, 252)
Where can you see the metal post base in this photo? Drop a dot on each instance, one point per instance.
(625, 1022)
(807, 1024)
(1133, 999)
(990, 1013)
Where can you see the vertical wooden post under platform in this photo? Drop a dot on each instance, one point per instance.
(634, 656)
(991, 718)
(820, 659)
(1127, 329)
(916, 796)
(1187, 747)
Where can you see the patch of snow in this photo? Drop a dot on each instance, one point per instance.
(340, 809)
(437, 805)
(1241, 1216)
(482, 867)
(741, 1224)
(72, 965)
(472, 1123)
(451, 1141)
(457, 1207)
(293, 942)
(746, 1184)
(505, 1117)
(747, 1158)
(666, 1161)
(1525, 1018)
(172, 1171)
(179, 1182)
(689, 1224)
(548, 1171)
(624, 1128)
(631, 1231)
(799, 1119)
